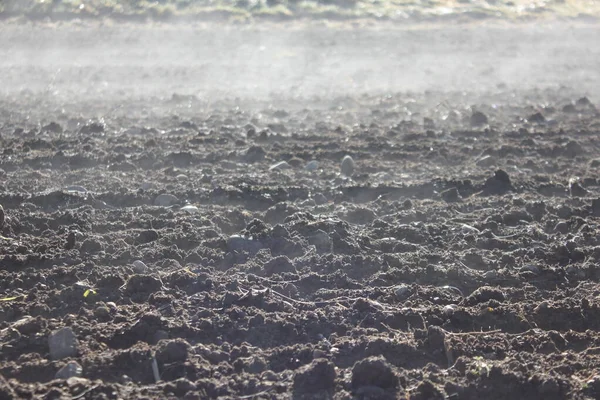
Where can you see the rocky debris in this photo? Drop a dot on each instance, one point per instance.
(478, 119)
(498, 184)
(139, 267)
(238, 243)
(2, 218)
(374, 371)
(165, 200)
(312, 165)
(348, 166)
(72, 369)
(315, 377)
(63, 343)
(402, 291)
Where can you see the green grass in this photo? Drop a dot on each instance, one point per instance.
(249, 10)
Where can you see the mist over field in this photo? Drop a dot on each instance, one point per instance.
(280, 199)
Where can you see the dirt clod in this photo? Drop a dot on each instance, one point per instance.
(374, 371)
(317, 376)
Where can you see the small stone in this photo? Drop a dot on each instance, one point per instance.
(71, 370)
(1, 216)
(139, 267)
(315, 377)
(478, 118)
(347, 166)
(146, 185)
(147, 236)
(102, 313)
(280, 166)
(374, 371)
(312, 165)
(181, 177)
(165, 200)
(402, 292)
(62, 343)
(242, 243)
(190, 209)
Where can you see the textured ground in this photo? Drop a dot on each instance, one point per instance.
(460, 259)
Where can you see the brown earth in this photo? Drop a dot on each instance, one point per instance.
(460, 259)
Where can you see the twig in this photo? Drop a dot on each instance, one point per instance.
(80, 395)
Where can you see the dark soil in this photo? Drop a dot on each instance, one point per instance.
(459, 260)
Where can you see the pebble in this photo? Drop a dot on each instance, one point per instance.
(62, 343)
(71, 370)
(312, 165)
(347, 166)
(402, 291)
(190, 209)
(147, 185)
(165, 200)
(279, 166)
(181, 177)
(241, 243)
(139, 267)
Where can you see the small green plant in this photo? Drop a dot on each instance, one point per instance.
(481, 367)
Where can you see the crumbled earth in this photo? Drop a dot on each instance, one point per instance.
(459, 259)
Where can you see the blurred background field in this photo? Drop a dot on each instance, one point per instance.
(282, 10)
